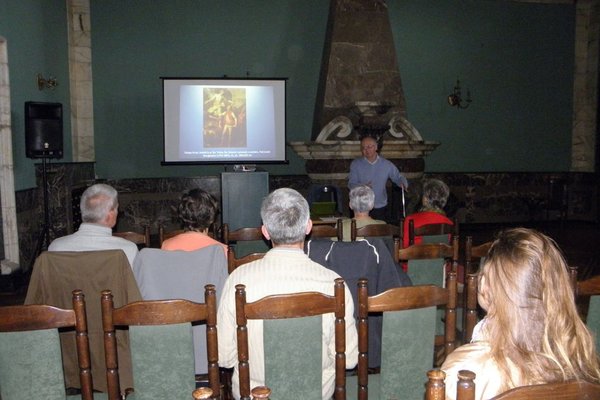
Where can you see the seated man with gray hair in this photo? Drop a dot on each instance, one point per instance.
(99, 209)
(362, 201)
(284, 269)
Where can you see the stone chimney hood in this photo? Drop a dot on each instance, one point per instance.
(360, 92)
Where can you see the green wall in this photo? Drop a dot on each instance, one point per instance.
(518, 61)
(36, 33)
(135, 45)
(516, 58)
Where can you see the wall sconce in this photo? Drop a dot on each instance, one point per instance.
(49, 83)
(455, 98)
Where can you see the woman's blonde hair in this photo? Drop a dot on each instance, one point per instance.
(536, 335)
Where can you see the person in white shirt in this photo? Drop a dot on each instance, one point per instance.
(99, 209)
(284, 269)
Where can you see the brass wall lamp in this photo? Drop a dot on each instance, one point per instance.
(455, 98)
(44, 83)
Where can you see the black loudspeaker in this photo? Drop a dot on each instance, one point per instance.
(43, 130)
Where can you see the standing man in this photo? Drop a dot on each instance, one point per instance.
(374, 171)
(284, 269)
(99, 210)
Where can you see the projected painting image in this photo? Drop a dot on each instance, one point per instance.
(224, 117)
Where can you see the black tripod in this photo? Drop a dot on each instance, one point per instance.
(44, 236)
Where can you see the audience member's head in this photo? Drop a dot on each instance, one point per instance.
(362, 199)
(532, 320)
(197, 210)
(99, 205)
(435, 194)
(286, 217)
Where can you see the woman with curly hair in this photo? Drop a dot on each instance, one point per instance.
(532, 333)
(197, 211)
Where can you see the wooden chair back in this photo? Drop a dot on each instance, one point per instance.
(164, 235)
(327, 230)
(387, 231)
(258, 393)
(202, 393)
(471, 316)
(29, 349)
(475, 254)
(409, 337)
(590, 290)
(57, 273)
(294, 308)
(432, 233)
(161, 334)
(244, 241)
(424, 259)
(139, 238)
(241, 234)
(233, 262)
(556, 391)
(261, 392)
(435, 388)
(374, 230)
(465, 389)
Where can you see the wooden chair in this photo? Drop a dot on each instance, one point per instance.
(163, 275)
(233, 262)
(391, 234)
(261, 392)
(327, 230)
(435, 389)
(202, 393)
(241, 234)
(30, 356)
(245, 240)
(374, 230)
(475, 255)
(591, 288)
(164, 235)
(572, 390)
(432, 233)
(471, 314)
(292, 325)
(555, 391)
(426, 262)
(161, 335)
(141, 239)
(409, 337)
(56, 274)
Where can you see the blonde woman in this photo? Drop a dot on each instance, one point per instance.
(532, 333)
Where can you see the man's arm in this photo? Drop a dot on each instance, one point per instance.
(353, 176)
(397, 177)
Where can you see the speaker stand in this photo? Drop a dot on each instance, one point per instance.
(44, 236)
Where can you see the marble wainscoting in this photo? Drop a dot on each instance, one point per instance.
(62, 179)
(475, 198)
(153, 202)
(521, 196)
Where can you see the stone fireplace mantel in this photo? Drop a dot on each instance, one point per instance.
(338, 154)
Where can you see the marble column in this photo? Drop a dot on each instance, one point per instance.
(585, 86)
(7, 183)
(80, 77)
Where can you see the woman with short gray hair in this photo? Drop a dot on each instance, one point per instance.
(362, 201)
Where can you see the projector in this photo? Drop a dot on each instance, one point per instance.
(244, 168)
